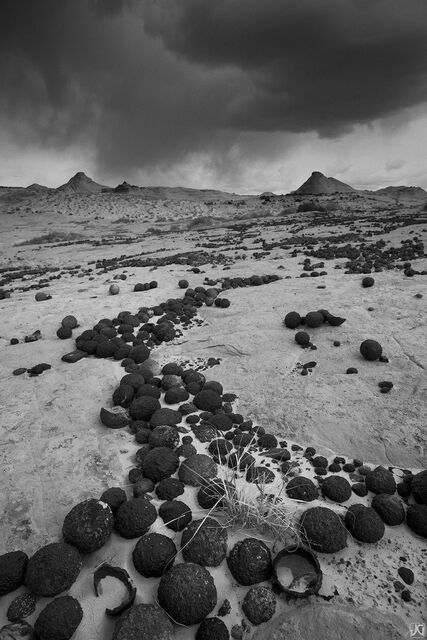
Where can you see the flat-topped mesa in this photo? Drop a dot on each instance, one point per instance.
(81, 183)
(318, 184)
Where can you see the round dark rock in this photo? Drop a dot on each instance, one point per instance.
(292, 320)
(323, 529)
(169, 488)
(210, 495)
(142, 487)
(221, 421)
(208, 400)
(154, 553)
(139, 354)
(220, 446)
(186, 451)
(364, 523)
(164, 436)
(21, 607)
(205, 432)
(135, 517)
(176, 394)
(175, 514)
(12, 571)
(380, 480)
(319, 461)
(416, 519)
(406, 574)
(261, 475)
(64, 332)
(160, 463)
(204, 542)
(88, 525)
(351, 370)
(59, 619)
(187, 593)
(212, 629)
(53, 569)
(389, 508)
(301, 488)
(259, 604)
(142, 408)
(314, 319)
(336, 488)
(368, 282)
(302, 338)
(143, 622)
(360, 489)
(371, 349)
(197, 469)
(165, 416)
(250, 562)
(148, 390)
(419, 487)
(267, 441)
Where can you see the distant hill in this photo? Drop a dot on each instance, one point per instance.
(81, 183)
(318, 184)
(403, 193)
(37, 187)
(177, 193)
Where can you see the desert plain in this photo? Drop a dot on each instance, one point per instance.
(74, 243)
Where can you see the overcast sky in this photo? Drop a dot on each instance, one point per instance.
(241, 95)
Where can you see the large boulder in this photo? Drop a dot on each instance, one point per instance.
(143, 622)
(196, 469)
(88, 525)
(59, 619)
(323, 529)
(187, 593)
(364, 523)
(250, 562)
(159, 463)
(380, 480)
(53, 569)
(134, 517)
(389, 508)
(204, 542)
(154, 553)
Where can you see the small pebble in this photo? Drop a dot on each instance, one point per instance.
(383, 359)
(19, 371)
(352, 370)
(337, 343)
(406, 595)
(14, 341)
(406, 574)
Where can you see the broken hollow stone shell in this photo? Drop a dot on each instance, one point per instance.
(106, 570)
(297, 571)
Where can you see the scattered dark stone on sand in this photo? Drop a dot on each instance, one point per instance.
(175, 514)
(259, 604)
(335, 321)
(416, 519)
(142, 408)
(406, 574)
(364, 523)
(154, 553)
(197, 469)
(368, 282)
(348, 467)
(225, 608)
(169, 488)
(319, 461)
(371, 349)
(302, 338)
(39, 368)
(143, 622)
(19, 372)
(164, 436)
(419, 487)
(59, 619)
(360, 489)
(250, 562)
(53, 569)
(380, 480)
(12, 571)
(114, 497)
(240, 461)
(139, 354)
(41, 296)
(187, 593)
(301, 488)
(220, 446)
(314, 319)
(205, 432)
(210, 494)
(334, 467)
(142, 487)
(88, 525)
(160, 463)
(204, 542)
(135, 475)
(165, 416)
(323, 529)
(208, 400)
(22, 606)
(337, 343)
(260, 475)
(212, 629)
(352, 370)
(267, 441)
(336, 488)
(186, 451)
(292, 320)
(406, 595)
(63, 333)
(134, 517)
(389, 508)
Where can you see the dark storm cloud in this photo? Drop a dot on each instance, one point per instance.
(144, 83)
(309, 64)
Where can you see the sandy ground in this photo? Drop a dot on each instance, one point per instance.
(54, 452)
